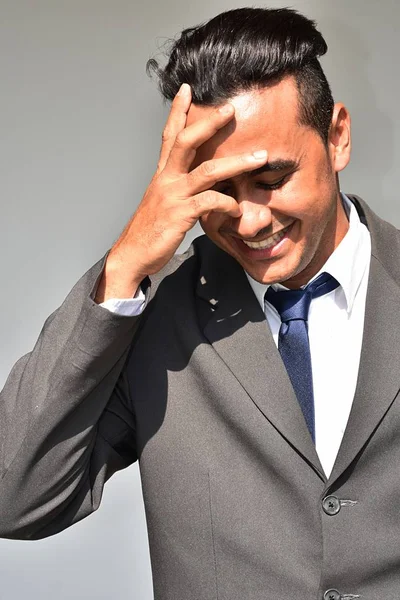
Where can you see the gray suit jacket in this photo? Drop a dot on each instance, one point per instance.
(235, 496)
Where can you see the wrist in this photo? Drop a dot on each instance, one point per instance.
(117, 280)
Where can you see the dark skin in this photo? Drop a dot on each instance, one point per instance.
(253, 176)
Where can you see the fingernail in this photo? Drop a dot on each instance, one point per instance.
(226, 110)
(184, 89)
(260, 154)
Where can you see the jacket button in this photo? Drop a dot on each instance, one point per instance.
(331, 506)
(332, 595)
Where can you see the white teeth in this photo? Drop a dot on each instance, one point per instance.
(268, 243)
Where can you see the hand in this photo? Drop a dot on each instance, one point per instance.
(175, 199)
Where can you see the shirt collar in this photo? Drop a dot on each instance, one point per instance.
(346, 264)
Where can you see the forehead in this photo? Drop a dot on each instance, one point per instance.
(264, 119)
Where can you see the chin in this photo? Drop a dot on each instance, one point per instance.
(272, 274)
(265, 278)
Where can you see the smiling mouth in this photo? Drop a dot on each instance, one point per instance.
(269, 242)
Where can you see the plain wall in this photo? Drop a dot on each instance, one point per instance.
(80, 126)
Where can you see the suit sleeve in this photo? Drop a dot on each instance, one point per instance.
(65, 418)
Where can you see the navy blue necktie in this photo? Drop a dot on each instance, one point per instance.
(293, 345)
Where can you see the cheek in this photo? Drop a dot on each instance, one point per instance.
(308, 197)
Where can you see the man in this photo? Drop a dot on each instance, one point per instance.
(267, 435)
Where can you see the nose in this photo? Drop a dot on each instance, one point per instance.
(253, 219)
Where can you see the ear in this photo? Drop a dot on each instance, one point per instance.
(340, 137)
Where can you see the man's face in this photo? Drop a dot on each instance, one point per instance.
(292, 217)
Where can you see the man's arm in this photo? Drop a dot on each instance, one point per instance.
(177, 197)
(65, 417)
(54, 459)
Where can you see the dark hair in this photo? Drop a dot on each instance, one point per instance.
(249, 48)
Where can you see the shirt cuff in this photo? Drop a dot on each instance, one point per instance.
(127, 307)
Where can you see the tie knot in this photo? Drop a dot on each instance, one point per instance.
(295, 304)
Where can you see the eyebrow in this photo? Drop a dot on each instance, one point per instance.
(273, 166)
(277, 165)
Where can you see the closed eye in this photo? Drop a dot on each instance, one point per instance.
(272, 186)
(227, 190)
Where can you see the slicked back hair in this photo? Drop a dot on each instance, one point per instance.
(251, 48)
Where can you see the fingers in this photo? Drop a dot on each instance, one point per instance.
(206, 175)
(214, 201)
(175, 123)
(183, 150)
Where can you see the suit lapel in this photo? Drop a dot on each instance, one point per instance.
(378, 378)
(237, 329)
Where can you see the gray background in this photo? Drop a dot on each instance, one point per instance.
(80, 126)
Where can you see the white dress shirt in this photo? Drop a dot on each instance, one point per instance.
(335, 328)
(128, 307)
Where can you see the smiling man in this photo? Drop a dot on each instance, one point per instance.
(292, 216)
(255, 376)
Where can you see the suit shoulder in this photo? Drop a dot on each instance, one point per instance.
(385, 238)
(183, 269)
